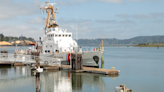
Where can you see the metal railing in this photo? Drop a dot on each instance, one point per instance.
(28, 59)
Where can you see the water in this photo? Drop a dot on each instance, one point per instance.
(140, 69)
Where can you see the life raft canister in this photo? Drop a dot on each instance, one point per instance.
(69, 55)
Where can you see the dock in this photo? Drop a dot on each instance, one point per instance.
(67, 67)
(76, 65)
(84, 70)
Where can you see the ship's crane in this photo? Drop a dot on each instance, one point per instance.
(50, 20)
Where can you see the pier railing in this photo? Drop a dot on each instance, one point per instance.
(28, 59)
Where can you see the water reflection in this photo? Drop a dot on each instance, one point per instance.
(21, 79)
(4, 72)
(63, 81)
(77, 81)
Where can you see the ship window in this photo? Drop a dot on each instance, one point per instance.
(59, 35)
(69, 35)
(51, 35)
(55, 35)
(45, 51)
(51, 46)
(48, 51)
(65, 35)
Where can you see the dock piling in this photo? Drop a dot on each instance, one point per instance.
(37, 82)
(77, 62)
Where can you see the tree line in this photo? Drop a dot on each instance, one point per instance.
(12, 38)
(132, 41)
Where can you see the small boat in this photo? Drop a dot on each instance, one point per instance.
(32, 43)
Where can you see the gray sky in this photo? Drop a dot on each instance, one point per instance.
(120, 19)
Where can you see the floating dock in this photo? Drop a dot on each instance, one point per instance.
(84, 70)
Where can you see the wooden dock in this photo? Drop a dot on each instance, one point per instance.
(11, 64)
(85, 70)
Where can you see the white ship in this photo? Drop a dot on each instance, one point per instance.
(58, 43)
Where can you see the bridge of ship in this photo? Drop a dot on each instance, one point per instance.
(28, 59)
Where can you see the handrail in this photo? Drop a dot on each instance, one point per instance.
(27, 59)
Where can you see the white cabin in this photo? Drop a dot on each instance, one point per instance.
(58, 40)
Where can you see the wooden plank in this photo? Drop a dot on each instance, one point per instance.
(51, 68)
(6, 63)
(19, 64)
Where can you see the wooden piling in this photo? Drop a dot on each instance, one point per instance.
(37, 82)
(77, 63)
(102, 62)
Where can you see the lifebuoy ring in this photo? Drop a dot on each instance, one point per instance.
(68, 58)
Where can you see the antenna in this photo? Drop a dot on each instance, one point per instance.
(76, 27)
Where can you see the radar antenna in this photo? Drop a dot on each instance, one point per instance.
(50, 20)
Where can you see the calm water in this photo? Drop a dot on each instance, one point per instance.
(140, 69)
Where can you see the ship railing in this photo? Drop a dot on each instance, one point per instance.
(48, 60)
(8, 57)
(92, 49)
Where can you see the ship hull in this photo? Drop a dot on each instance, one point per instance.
(87, 57)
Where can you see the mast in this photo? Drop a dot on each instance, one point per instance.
(50, 20)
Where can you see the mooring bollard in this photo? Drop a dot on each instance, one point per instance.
(77, 63)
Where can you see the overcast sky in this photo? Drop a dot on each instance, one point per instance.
(120, 19)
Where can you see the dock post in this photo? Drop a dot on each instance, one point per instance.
(37, 82)
(102, 62)
(77, 62)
